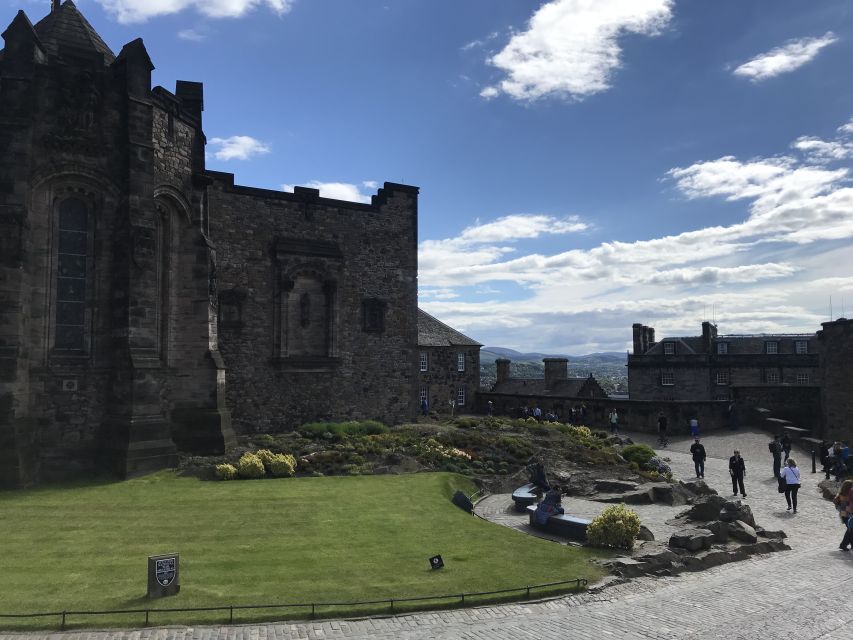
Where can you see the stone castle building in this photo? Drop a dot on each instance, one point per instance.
(448, 366)
(148, 304)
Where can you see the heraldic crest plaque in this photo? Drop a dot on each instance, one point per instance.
(163, 574)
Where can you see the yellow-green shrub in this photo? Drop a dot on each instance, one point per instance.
(616, 526)
(226, 471)
(282, 465)
(580, 431)
(250, 466)
(266, 457)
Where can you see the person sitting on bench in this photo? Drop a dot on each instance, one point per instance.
(550, 506)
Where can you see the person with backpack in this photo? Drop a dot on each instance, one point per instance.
(844, 503)
(776, 449)
(791, 476)
(786, 445)
(699, 456)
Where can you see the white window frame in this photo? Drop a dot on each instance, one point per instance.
(723, 377)
(801, 347)
(771, 347)
(667, 379)
(722, 348)
(669, 348)
(424, 361)
(775, 375)
(460, 396)
(803, 378)
(424, 394)
(460, 362)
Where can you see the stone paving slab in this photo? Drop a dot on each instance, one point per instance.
(802, 594)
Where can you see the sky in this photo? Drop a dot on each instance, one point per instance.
(583, 164)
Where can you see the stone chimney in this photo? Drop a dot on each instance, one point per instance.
(556, 369)
(709, 332)
(638, 338)
(502, 366)
(55, 5)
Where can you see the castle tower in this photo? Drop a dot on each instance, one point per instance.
(835, 342)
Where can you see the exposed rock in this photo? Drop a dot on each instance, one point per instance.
(828, 489)
(629, 567)
(733, 511)
(775, 535)
(463, 502)
(661, 558)
(704, 509)
(697, 487)
(613, 485)
(641, 496)
(671, 494)
(645, 534)
(692, 539)
(739, 530)
(719, 529)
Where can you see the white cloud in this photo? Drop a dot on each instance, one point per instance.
(238, 148)
(514, 227)
(819, 150)
(846, 128)
(771, 271)
(192, 35)
(338, 190)
(127, 11)
(571, 47)
(790, 56)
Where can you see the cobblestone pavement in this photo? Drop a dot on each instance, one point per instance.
(802, 594)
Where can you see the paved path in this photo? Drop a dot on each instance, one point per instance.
(802, 594)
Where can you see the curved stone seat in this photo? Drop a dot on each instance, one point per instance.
(562, 524)
(524, 496)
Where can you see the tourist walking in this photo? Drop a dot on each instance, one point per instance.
(737, 470)
(694, 427)
(614, 422)
(791, 475)
(424, 407)
(537, 412)
(698, 453)
(776, 449)
(844, 503)
(786, 445)
(662, 424)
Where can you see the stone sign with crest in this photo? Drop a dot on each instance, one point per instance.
(163, 574)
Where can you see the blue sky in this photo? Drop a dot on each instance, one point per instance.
(583, 164)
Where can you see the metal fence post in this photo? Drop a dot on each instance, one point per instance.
(62, 626)
(146, 617)
(814, 463)
(312, 611)
(392, 605)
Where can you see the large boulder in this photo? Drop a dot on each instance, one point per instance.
(704, 509)
(672, 494)
(828, 488)
(732, 511)
(773, 535)
(691, 539)
(645, 534)
(719, 529)
(697, 487)
(612, 485)
(640, 496)
(741, 531)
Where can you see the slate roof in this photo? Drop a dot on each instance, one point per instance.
(737, 343)
(570, 387)
(434, 333)
(67, 28)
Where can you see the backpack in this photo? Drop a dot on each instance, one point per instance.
(775, 447)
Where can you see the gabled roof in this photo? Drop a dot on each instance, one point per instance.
(66, 27)
(434, 333)
(570, 387)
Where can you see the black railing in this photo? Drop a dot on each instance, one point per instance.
(391, 603)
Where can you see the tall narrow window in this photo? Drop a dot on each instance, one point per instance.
(460, 397)
(460, 362)
(71, 275)
(424, 361)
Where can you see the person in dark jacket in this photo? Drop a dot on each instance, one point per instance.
(776, 449)
(698, 453)
(550, 506)
(737, 470)
(786, 446)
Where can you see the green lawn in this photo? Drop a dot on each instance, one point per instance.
(256, 542)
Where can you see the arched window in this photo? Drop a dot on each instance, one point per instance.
(71, 275)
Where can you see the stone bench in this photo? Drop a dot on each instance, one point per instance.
(524, 496)
(796, 432)
(562, 525)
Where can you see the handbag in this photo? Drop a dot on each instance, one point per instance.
(783, 484)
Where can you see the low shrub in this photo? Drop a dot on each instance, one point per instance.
(466, 423)
(617, 527)
(226, 472)
(341, 429)
(266, 457)
(282, 465)
(639, 453)
(658, 465)
(250, 466)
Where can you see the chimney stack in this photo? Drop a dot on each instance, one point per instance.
(502, 366)
(55, 5)
(556, 369)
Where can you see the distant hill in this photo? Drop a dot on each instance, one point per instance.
(607, 367)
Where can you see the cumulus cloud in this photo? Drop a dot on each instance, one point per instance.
(238, 148)
(339, 190)
(768, 272)
(819, 150)
(571, 47)
(192, 35)
(128, 11)
(790, 56)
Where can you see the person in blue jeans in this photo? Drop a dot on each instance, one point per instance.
(698, 453)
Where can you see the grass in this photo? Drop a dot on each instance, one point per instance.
(331, 539)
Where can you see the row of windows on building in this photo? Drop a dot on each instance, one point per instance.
(771, 347)
(667, 378)
(460, 396)
(460, 361)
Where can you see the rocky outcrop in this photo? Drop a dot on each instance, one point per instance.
(645, 534)
(611, 485)
(691, 539)
(704, 509)
(740, 530)
(733, 511)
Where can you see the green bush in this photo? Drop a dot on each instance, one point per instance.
(282, 465)
(617, 526)
(266, 457)
(466, 423)
(250, 466)
(226, 471)
(639, 453)
(340, 429)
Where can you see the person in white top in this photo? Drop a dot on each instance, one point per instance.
(791, 475)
